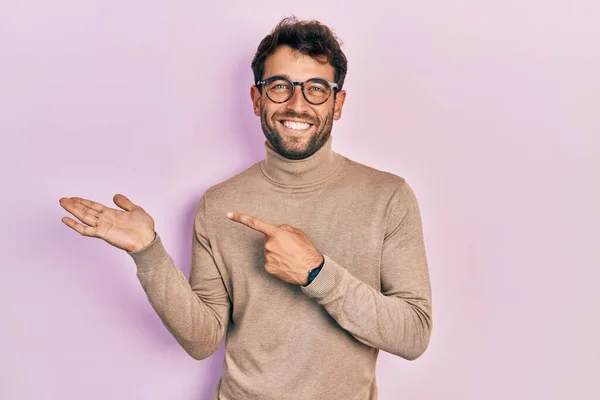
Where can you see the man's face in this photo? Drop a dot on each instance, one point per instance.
(296, 129)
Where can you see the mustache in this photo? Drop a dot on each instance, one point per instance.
(293, 115)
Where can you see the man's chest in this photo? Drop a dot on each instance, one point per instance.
(348, 232)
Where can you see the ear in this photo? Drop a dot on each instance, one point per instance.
(340, 97)
(255, 96)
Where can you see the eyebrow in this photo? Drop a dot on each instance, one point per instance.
(286, 76)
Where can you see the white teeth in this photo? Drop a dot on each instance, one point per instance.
(296, 125)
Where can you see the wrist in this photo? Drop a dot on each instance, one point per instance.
(312, 274)
(146, 239)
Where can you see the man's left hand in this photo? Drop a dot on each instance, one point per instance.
(289, 253)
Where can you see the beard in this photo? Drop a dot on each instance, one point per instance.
(292, 147)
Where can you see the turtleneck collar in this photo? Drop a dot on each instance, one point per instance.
(314, 169)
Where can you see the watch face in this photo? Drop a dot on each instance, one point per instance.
(313, 273)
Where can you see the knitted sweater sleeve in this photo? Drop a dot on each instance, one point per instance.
(196, 312)
(397, 319)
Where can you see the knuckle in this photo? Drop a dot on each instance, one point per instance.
(252, 222)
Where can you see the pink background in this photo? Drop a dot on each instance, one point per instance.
(489, 109)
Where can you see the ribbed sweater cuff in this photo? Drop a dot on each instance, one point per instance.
(327, 281)
(150, 256)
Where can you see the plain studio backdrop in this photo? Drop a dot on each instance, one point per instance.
(490, 110)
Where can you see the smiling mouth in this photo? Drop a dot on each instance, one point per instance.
(295, 125)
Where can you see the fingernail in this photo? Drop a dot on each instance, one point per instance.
(230, 215)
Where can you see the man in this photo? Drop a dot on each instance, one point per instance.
(321, 262)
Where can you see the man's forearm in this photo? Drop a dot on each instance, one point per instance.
(198, 325)
(401, 326)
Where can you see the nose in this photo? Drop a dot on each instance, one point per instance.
(297, 102)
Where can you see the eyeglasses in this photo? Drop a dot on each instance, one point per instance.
(280, 89)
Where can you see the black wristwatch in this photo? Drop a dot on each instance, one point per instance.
(312, 274)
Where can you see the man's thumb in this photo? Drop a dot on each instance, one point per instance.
(288, 228)
(123, 202)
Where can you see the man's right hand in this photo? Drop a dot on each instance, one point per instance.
(129, 230)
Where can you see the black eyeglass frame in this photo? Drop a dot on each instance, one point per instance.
(332, 85)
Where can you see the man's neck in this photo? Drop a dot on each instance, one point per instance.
(301, 172)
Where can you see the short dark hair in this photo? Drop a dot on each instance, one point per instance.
(311, 38)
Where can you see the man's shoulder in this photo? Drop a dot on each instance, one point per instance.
(236, 185)
(379, 185)
(362, 174)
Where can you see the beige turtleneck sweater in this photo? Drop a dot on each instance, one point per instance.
(291, 342)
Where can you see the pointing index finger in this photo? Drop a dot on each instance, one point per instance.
(253, 222)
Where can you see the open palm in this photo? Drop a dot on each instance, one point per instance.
(129, 229)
